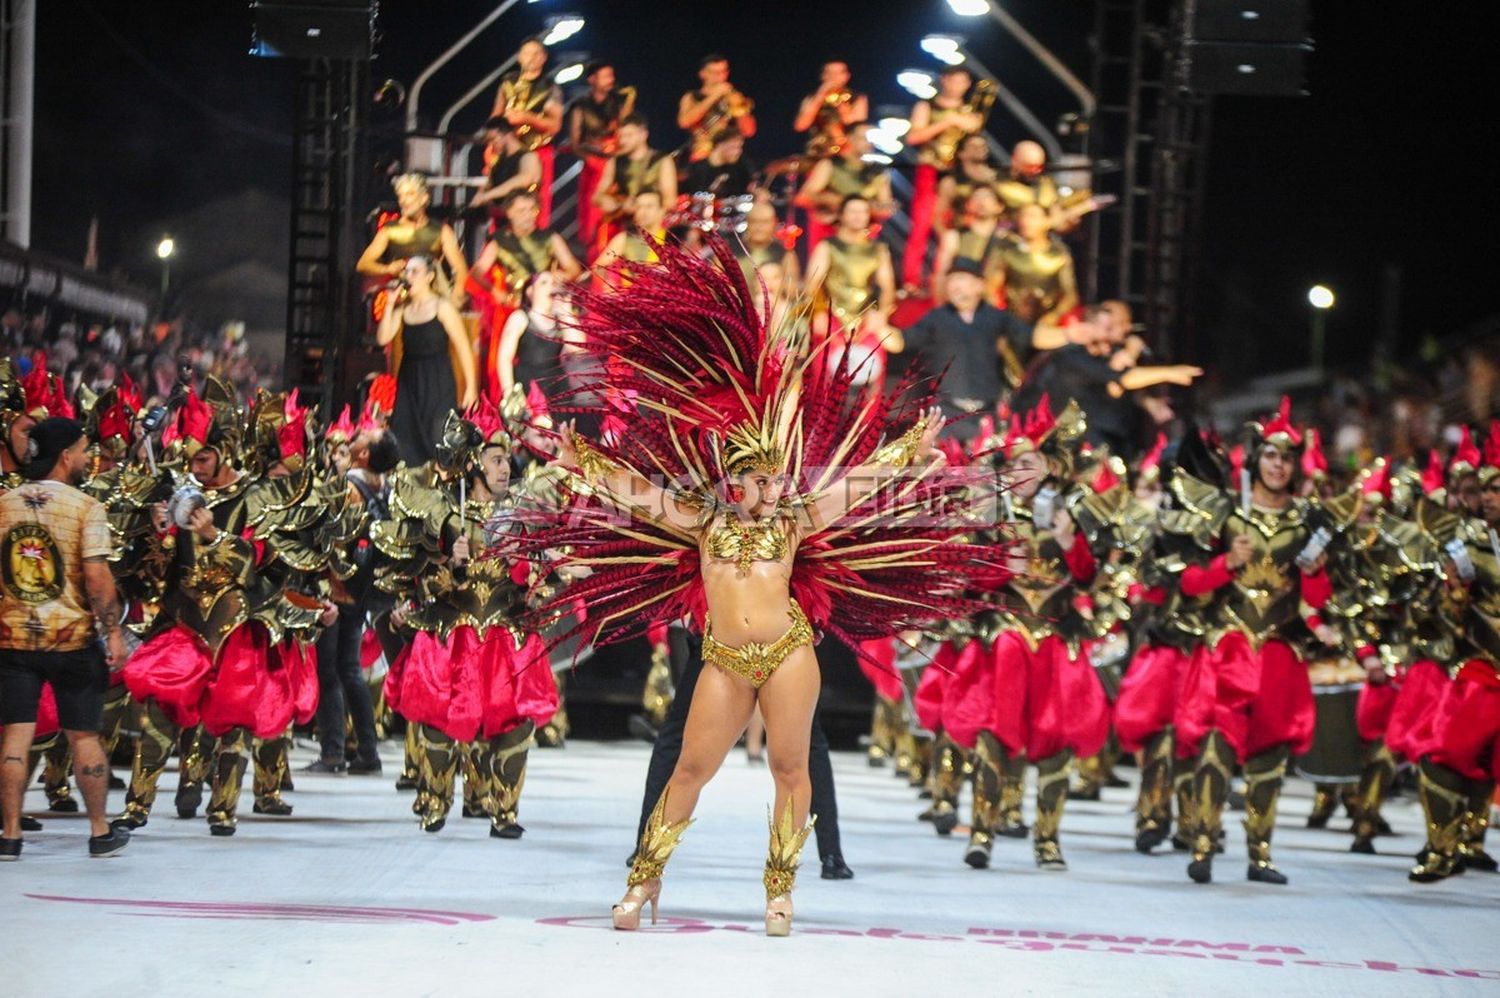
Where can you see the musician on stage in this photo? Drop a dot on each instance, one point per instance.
(836, 178)
(852, 275)
(828, 112)
(1029, 183)
(714, 109)
(510, 166)
(760, 247)
(937, 127)
(416, 233)
(593, 131)
(628, 245)
(635, 168)
(972, 170)
(1036, 270)
(979, 238)
(725, 173)
(533, 106)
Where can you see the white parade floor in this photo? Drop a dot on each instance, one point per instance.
(348, 897)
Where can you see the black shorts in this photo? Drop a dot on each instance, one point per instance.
(78, 680)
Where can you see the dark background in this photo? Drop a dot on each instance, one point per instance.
(151, 114)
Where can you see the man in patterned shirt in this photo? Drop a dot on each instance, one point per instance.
(57, 602)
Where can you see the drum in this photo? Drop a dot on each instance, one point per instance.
(1337, 754)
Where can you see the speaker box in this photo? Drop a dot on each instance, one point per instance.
(334, 29)
(1250, 21)
(1263, 70)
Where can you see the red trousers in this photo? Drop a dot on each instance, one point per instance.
(470, 686)
(1149, 694)
(923, 204)
(547, 155)
(1468, 724)
(1258, 699)
(1039, 701)
(1410, 732)
(588, 212)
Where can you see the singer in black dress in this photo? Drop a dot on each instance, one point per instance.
(434, 362)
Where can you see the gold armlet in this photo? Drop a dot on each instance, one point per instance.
(593, 465)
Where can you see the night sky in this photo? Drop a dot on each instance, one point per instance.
(148, 111)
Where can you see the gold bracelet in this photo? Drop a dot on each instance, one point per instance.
(900, 453)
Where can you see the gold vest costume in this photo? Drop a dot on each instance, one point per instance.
(530, 96)
(1035, 280)
(828, 129)
(1039, 602)
(850, 285)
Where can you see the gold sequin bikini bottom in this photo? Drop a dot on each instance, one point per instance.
(754, 660)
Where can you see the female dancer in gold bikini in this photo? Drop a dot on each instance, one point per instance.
(760, 641)
(766, 499)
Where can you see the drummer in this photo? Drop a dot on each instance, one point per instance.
(833, 180)
(725, 173)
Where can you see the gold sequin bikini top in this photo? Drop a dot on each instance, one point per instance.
(740, 542)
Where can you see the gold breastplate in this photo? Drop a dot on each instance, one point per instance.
(851, 276)
(860, 178)
(1037, 273)
(975, 245)
(1263, 598)
(1480, 635)
(941, 150)
(743, 543)
(1040, 599)
(522, 256)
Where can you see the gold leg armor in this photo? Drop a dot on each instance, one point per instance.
(57, 763)
(1374, 783)
(1264, 775)
(475, 784)
(504, 767)
(1325, 802)
(438, 761)
(231, 759)
(555, 732)
(882, 734)
(656, 845)
(1090, 778)
(1012, 794)
(784, 855)
(1182, 794)
(116, 708)
(1153, 806)
(1051, 795)
(195, 760)
(988, 758)
(1210, 792)
(270, 771)
(407, 780)
(152, 751)
(1445, 803)
(945, 780)
(1476, 823)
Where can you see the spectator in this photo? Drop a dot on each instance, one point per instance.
(55, 607)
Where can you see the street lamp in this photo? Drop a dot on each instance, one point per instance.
(1321, 298)
(164, 251)
(944, 48)
(917, 82)
(561, 27)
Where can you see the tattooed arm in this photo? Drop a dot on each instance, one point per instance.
(100, 584)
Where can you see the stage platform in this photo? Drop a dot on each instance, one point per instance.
(349, 897)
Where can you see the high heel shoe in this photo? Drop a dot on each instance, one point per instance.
(779, 916)
(627, 914)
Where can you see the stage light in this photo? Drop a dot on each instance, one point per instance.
(561, 27)
(969, 8)
(885, 141)
(944, 48)
(165, 248)
(569, 73)
(894, 126)
(876, 157)
(917, 82)
(1320, 297)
